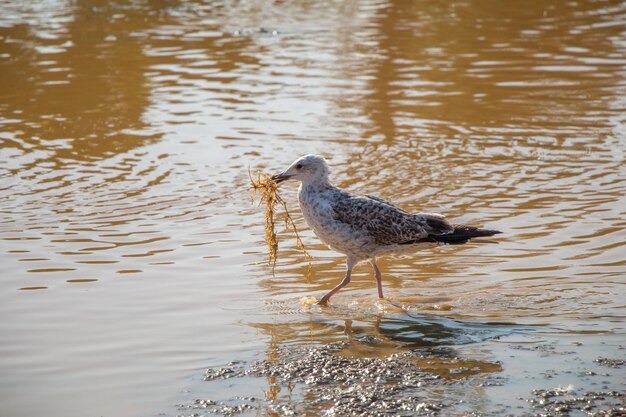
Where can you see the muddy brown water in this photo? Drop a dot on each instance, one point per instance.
(133, 257)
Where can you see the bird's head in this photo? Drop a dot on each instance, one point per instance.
(308, 169)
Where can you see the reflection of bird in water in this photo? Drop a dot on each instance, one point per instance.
(364, 227)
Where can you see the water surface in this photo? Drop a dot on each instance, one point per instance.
(133, 256)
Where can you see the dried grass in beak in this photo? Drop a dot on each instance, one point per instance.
(267, 188)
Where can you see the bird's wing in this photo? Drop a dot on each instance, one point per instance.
(386, 223)
(382, 201)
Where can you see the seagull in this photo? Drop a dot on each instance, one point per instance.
(364, 227)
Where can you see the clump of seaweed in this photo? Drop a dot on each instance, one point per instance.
(267, 188)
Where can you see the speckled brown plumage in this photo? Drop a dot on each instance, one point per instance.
(364, 227)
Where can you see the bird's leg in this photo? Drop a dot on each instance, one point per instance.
(378, 278)
(346, 280)
(342, 284)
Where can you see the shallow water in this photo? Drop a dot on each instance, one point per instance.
(133, 256)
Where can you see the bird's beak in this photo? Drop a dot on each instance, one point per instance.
(278, 178)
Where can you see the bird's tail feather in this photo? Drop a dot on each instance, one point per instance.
(462, 233)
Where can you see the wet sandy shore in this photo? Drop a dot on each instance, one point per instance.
(559, 379)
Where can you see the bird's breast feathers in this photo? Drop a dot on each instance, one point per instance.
(319, 213)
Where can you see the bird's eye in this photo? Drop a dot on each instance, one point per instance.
(299, 166)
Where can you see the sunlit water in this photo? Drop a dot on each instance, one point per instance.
(133, 256)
